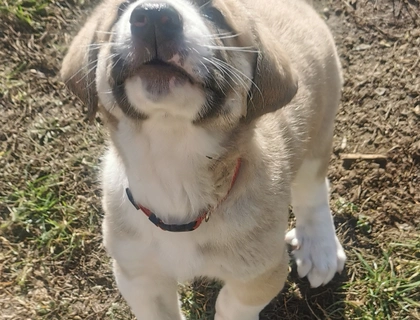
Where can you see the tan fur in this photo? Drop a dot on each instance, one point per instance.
(287, 120)
(262, 288)
(79, 66)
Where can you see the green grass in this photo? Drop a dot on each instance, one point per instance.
(41, 216)
(387, 287)
(28, 12)
(198, 299)
(384, 275)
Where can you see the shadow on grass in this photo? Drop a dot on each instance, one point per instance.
(299, 301)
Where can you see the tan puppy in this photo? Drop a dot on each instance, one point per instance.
(211, 141)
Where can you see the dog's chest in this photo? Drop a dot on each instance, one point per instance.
(149, 249)
(166, 167)
(178, 255)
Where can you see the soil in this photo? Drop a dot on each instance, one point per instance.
(43, 131)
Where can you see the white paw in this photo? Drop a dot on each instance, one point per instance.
(317, 252)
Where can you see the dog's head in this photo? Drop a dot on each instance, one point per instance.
(201, 60)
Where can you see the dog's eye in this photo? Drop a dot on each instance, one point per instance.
(215, 16)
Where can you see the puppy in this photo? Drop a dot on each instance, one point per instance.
(210, 142)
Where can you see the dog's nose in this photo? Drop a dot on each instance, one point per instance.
(150, 18)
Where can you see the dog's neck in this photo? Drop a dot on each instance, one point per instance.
(173, 167)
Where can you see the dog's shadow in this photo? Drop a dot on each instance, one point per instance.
(299, 301)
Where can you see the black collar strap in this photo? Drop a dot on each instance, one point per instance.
(191, 226)
(167, 227)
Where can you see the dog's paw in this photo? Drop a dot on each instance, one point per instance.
(317, 252)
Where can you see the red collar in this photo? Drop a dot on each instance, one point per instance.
(188, 226)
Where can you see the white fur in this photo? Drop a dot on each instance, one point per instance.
(184, 100)
(150, 297)
(165, 161)
(159, 171)
(103, 88)
(318, 254)
(163, 158)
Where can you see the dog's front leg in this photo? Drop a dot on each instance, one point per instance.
(150, 296)
(244, 300)
(317, 250)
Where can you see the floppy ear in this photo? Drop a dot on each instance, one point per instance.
(78, 70)
(275, 83)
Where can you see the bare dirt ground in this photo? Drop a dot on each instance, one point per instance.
(52, 264)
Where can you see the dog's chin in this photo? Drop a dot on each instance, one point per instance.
(160, 78)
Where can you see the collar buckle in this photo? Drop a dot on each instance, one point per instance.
(207, 216)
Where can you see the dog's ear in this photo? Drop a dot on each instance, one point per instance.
(78, 70)
(274, 83)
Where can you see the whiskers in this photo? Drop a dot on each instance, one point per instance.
(222, 35)
(92, 50)
(100, 45)
(112, 33)
(236, 49)
(86, 69)
(237, 77)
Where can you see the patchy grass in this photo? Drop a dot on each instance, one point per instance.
(198, 299)
(383, 277)
(52, 264)
(386, 287)
(41, 216)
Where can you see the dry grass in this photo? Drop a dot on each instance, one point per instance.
(52, 264)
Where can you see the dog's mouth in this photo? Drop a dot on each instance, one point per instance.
(161, 72)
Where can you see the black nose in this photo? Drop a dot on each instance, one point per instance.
(150, 17)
